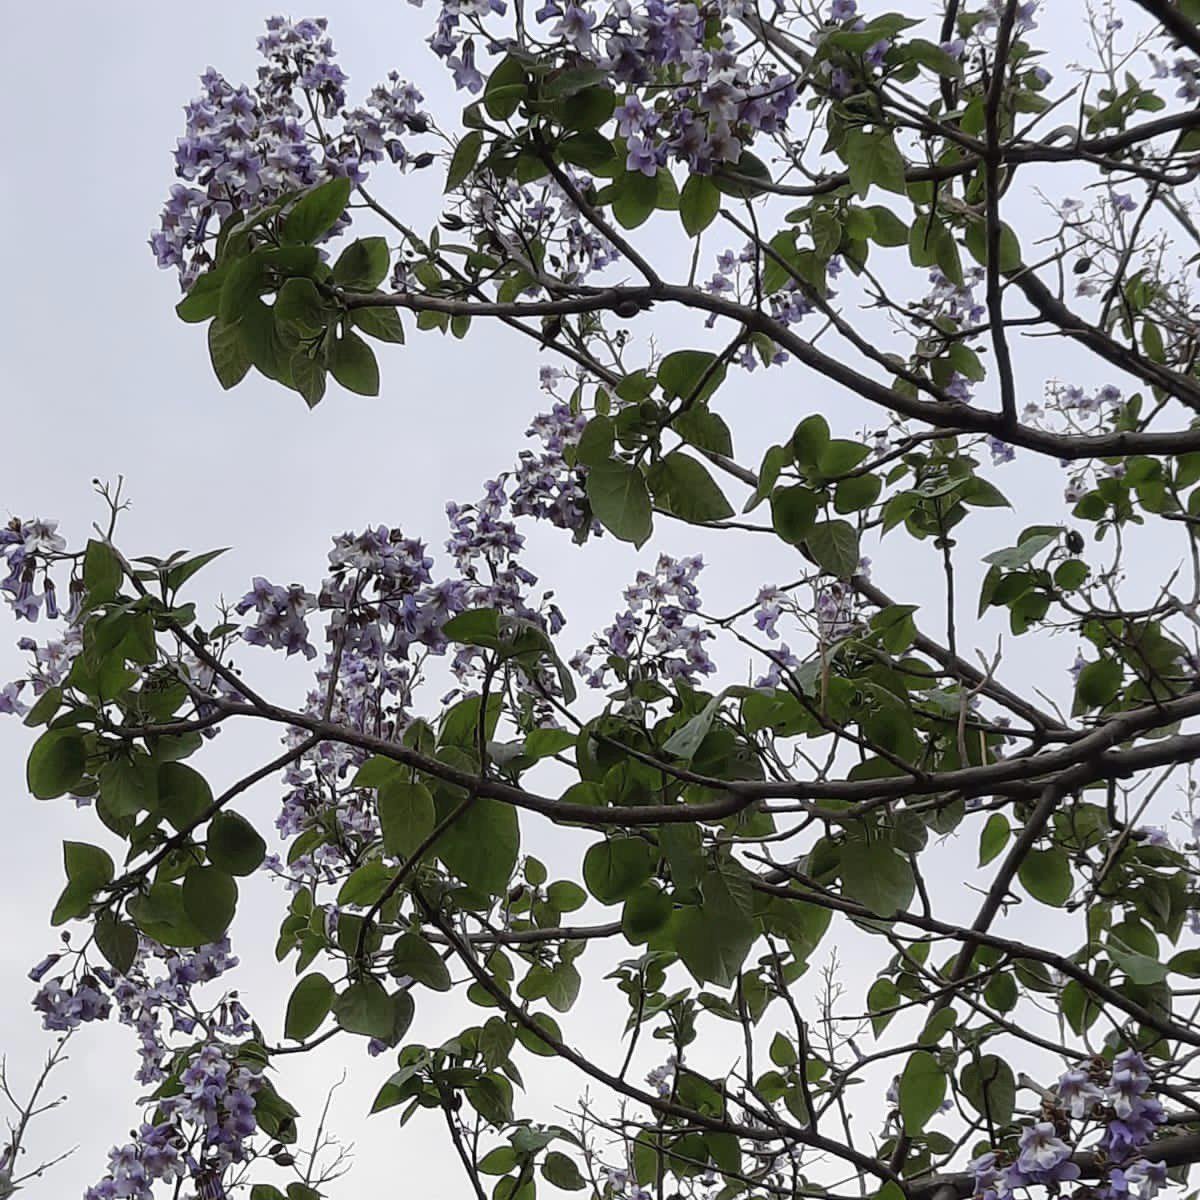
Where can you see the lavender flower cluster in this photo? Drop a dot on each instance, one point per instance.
(247, 147)
(200, 1129)
(658, 629)
(1121, 1104)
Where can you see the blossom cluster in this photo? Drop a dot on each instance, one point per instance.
(248, 147)
(203, 1125)
(658, 635)
(1045, 1155)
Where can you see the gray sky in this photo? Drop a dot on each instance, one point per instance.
(100, 379)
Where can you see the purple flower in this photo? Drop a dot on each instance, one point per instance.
(641, 156)
(1078, 1093)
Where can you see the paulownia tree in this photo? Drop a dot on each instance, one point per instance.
(871, 210)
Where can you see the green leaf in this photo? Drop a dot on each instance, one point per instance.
(646, 911)
(204, 297)
(308, 377)
(183, 794)
(308, 1006)
(876, 876)
(87, 866)
(299, 306)
(834, 546)
(406, 814)
(56, 763)
(352, 363)
(685, 741)
(1024, 553)
(922, 1090)
(1046, 876)
(793, 512)
(562, 1172)
(614, 867)
(587, 148)
(316, 212)
(873, 158)
(482, 846)
(234, 844)
(994, 838)
(703, 429)
(882, 998)
(102, 572)
(160, 914)
(566, 896)
(713, 944)
(752, 176)
(635, 199)
(690, 375)
(859, 492)
(889, 229)
(1098, 683)
(227, 353)
(44, 708)
(699, 203)
(463, 161)
(210, 900)
(683, 486)
(809, 440)
(990, 1088)
(365, 1008)
(506, 88)
(363, 265)
(365, 885)
(620, 501)
(413, 956)
(383, 324)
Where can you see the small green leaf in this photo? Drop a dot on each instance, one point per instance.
(210, 900)
(363, 265)
(834, 546)
(406, 814)
(117, 941)
(619, 499)
(227, 353)
(990, 1088)
(56, 763)
(922, 1090)
(308, 377)
(352, 363)
(793, 512)
(562, 1172)
(1098, 683)
(234, 844)
(690, 374)
(316, 212)
(308, 1006)
(1046, 876)
(994, 838)
(876, 876)
(481, 847)
(614, 867)
(365, 1008)
(699, 203)
(463, 161)
(413, 956)
(87, 866)
(684, 487)
(102, 571)
(383, 324)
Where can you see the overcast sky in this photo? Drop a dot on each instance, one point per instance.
(100, 379)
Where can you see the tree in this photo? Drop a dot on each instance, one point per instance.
(880, 176)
